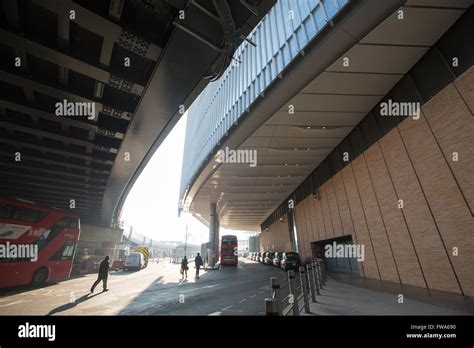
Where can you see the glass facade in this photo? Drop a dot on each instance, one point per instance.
(280, 36)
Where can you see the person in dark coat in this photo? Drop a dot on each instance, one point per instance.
(198, 263)
(103, 274)
(184, 268)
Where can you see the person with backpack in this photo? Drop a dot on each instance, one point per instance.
(198, 263)
(184, 268)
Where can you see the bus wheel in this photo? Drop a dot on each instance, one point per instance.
(40, 276)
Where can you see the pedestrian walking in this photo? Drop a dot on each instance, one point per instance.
(103, 275)
(198, 263)
(184, 268)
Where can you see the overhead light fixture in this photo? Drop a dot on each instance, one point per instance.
(316, 195)
(323, 127)
(308, 127)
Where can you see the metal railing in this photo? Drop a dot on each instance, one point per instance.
(293, 296)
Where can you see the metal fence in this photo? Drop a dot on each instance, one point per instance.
(294, 295)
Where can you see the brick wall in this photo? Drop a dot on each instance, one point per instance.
(277, 237)
(414, 163)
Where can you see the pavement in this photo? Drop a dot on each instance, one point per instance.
(338, 298)
(232, 290)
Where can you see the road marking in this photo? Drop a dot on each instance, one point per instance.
(226, 308)
(253, 296)
(261, 292)
(243, 300)
(216, 313)
(204, 287)
(16, 302)
(35, 292)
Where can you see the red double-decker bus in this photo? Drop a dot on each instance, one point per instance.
(229, 250)
(51, 232)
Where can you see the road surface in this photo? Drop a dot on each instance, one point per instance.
(156, 290)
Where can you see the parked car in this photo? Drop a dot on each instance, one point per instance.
(269, 258)
(134, 260)
(290, 261)
(277, 259)
(259, 257)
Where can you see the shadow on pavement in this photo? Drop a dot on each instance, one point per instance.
(70, 305)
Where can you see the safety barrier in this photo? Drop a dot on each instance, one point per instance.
(307, 284)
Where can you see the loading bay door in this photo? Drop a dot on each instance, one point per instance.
(327, 249)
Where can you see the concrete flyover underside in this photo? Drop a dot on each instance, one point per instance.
(130, 60)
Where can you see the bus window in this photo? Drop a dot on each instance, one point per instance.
(65, 253)
(74, 223)
(50, 234)
(5, 211)
(28, 215)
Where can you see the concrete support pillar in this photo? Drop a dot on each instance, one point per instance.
(213, 236)
(108, 249)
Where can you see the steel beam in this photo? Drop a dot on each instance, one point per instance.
(92, 22)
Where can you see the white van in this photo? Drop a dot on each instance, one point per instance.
(135, 261)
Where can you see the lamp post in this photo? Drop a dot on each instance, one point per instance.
(186, 240)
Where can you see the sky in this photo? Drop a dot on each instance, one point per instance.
(152, 204)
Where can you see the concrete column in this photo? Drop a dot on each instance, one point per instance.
(109, 249)
(213, 235)
(217, 241)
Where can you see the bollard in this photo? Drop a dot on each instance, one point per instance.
(291, 284)
(304, 286)
(271, 307)
(316, 277)
(310, 272)
(275, 284)
(321, 281)
(323, 271)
